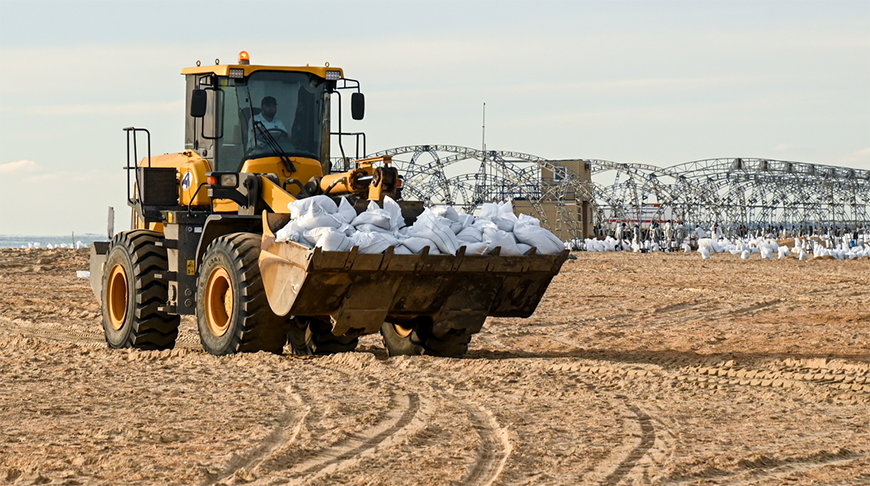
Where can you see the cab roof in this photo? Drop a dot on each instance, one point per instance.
(248, 69)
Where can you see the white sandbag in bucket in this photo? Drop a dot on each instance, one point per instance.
(375, 216)
(395, 212)
(372, 228)
(541, 238)
(373, 242)
(313, 220)
(470, 234)
(526, 219)
(476, 248)
(416, 244)
(458, 221)
(330, 239)
(402, 250)
(346, 213)
(496, 237)
(290, 232)
(435, 228)
(488, 211)
(506, 218)
(313, 204)
(502, 215)
(314, 212)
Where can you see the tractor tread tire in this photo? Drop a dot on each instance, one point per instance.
(254, 326)
(145, 326)
(422, 341)
(310, 336)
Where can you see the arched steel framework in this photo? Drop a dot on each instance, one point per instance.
(733, 192)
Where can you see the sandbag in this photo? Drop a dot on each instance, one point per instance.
(470, 235)
(395, 212)
(446, 212)
(290, 232)
(488, 211)
(330, 239)
(311, 220)
(402, 250)
(346, 213)
(526, 219)
(416, 244)
(313, 204)
(496, 237)
(373, 242)
(541, 238)
(374, 215)
(437, 229)
(476, 248)
(503, 224)
(371, 228)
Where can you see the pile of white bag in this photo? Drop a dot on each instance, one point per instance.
(319, 222)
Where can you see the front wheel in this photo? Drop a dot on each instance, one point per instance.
(232, 312)
(132, 295)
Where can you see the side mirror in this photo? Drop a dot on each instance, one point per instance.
(357, 106)
(197, 103)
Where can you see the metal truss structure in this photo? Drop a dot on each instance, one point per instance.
(732, 192)
(466, 178)
(735, 192)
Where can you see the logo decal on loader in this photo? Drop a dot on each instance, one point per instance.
(186, 180)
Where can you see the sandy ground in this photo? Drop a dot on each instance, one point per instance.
(636, 369)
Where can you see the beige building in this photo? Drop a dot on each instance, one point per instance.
(564, 207)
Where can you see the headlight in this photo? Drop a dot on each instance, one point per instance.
(229, 180)
(223, 179)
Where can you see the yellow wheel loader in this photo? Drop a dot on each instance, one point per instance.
(203, 243)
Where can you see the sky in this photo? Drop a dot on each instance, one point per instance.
(654, 82)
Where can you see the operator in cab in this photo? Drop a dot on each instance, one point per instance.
(265, 121)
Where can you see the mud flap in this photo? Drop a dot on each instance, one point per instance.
(99, 253)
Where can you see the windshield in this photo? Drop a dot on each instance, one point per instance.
(280, 113)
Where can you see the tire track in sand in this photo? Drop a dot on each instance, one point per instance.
(279, 437)
(353, 448)
(495, 446)
(641, 437)
(769, 470)
(647, 440)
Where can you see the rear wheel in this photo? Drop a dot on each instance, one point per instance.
(313, 336)
(232, 312)
(415, 337)
(131, 294)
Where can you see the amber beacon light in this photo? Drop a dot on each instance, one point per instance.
(244, 58)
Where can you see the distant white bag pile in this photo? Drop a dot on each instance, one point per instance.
(318, 222)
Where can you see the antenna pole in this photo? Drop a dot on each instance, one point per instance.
(483, 140)
(483, 137)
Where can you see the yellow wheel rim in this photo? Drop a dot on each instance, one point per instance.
(117, 297)
(402, 331)
(219, 302)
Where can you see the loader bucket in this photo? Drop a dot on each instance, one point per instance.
(358, 292)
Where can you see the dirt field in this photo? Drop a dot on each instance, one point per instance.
(636, 369)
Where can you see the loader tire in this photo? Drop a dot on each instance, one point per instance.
(131, 294)
(416, 338)
(313, 336)
(232, 312)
